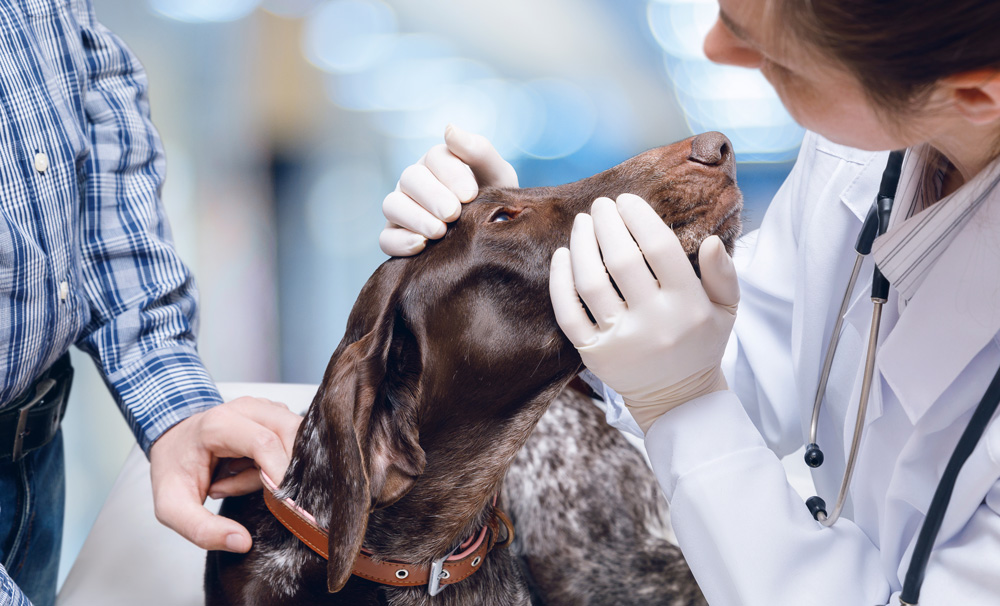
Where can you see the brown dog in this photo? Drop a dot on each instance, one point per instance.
(450, 359)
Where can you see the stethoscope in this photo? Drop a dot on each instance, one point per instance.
(875, 225)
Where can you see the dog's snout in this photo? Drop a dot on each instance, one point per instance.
(710, 149)
(714, 149)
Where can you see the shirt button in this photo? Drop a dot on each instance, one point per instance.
(41, 162)
(63, 290)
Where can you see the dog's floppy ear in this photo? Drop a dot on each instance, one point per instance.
(374, 452)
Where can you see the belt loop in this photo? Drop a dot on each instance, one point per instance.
(41, 391)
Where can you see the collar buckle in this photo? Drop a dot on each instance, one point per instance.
(438, 574)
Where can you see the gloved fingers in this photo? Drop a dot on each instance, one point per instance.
(718, 274)
(589, 274)
(484, 160)
(398, 241)
(402, 211)
(452, 172)
(622, 257)
(659, 244)
(570, 313)
(428, 192)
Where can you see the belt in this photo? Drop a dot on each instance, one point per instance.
(32, 419)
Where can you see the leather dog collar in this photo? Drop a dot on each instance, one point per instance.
(451, 569)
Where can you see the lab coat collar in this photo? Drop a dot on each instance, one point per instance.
(860, 193)
(953, 315)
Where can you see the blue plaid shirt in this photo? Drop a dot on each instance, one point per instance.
(86, 255)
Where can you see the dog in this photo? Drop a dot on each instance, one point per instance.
(449, 389)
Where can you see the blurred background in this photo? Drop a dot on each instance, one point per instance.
(286, 122)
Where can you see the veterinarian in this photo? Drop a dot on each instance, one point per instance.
(86, 258)
(719, 403)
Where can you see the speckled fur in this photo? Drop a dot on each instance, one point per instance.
(592, 525)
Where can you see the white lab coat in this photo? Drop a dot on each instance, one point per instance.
(746, 533)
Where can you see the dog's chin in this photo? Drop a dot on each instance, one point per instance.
(692, 237)
(729, 228)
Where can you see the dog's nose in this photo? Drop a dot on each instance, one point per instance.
(714, 149)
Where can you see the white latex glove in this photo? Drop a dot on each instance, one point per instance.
(431, 192)
(663, 344)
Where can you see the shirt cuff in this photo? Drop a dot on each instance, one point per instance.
(696, 434)
(161, 389)
(10, 595)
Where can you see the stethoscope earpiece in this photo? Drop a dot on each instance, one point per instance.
(817, 507)
(813, 456)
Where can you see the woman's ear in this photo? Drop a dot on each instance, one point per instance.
(976, 95)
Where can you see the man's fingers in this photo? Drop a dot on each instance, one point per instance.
(236, 435)
(242, 483)
(570, 314)
(484, 160)
(183, 512)
(398, 241)
(718, 274)
(278, 419)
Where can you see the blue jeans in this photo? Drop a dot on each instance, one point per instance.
(32, 495)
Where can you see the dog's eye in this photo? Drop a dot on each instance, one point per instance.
(503, 214)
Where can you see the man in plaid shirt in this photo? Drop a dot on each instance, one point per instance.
(86, 257)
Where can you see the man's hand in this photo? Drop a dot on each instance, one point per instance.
(431, 192)
(183, 459)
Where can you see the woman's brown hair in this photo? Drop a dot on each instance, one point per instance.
(898, 49)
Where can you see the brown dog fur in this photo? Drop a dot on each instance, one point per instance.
(449, 361)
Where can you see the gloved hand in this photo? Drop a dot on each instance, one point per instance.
(663, 344)
(431, 192)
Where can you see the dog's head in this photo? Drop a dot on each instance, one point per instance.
(451, 356)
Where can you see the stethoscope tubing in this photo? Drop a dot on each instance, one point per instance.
(874, 225)
(832, 349)
(942, 495)
(859, 423)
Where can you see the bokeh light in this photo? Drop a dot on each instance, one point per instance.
(347, 36)
(679, 26)
(203, 11)
(412, 75)
(739, 102)
(565, 117)
(343, 209)
(290, 9)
